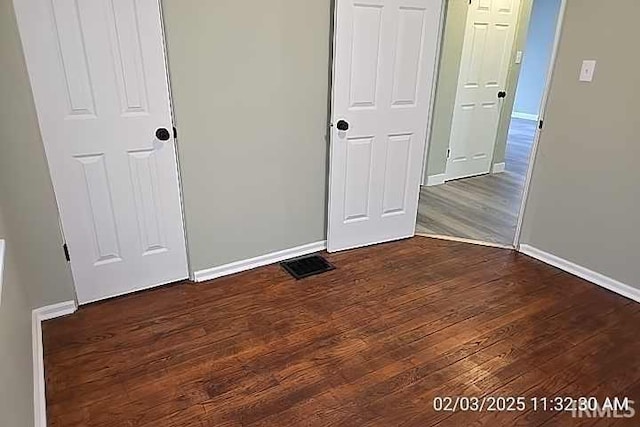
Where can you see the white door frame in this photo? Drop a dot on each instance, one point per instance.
(190, 269)
(536, 141)
(436, 77)
(541, 119)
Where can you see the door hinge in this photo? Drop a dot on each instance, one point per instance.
(175, 133)
(65, 248)
(540, 124)
(448, 152)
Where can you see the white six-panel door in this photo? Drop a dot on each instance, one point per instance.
(98, 73)
(488, 43)
(384, 64)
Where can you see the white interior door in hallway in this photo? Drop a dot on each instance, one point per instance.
(98, 73)
(384, 64)
(488, 43)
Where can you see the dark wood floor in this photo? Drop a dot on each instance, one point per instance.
(368, 344)
(484, 207)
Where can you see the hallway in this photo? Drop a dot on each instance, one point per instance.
(483, 207)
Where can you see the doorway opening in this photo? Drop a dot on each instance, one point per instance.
(493, 74)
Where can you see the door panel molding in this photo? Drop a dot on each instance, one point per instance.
(383, 71)
(100, 86)
(488, 42)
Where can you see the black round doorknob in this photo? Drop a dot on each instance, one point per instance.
(163, 134)
(502, 94)
(342, 125)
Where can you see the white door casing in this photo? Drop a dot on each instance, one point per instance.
(384, 64)
(488, 44)
(99, 80)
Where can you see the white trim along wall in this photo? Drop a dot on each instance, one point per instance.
(582, 272)
(259, 261)
(435, 179)
(499, 167)
(38, 316)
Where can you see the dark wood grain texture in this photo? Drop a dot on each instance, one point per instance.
(368, 344)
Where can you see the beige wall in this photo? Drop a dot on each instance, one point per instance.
(447, 85)
(250, 94)
(35, 271)
(16, 376)
(26, 193)
(584, 204)
(250, 90)
(252, 144)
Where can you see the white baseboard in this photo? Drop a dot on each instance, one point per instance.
(435, 180)
(259, 261)
(37, 317)
(525, 116)
(498, 167)
(55, 310)
(583, 272)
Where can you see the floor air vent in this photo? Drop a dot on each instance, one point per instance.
(307, 266)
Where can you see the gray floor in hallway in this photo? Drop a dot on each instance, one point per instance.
(483, 207)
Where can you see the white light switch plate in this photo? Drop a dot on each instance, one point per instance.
(587, 70)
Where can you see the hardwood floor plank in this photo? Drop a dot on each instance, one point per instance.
(370, 343)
